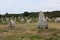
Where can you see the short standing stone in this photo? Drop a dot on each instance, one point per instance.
(12, 23)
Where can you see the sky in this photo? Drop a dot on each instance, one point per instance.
(20, 6)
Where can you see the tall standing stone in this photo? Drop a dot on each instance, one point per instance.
(42, 23)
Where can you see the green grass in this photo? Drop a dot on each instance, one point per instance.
(29, 31)
(29, 37)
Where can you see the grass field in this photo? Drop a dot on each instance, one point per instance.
(29, 31)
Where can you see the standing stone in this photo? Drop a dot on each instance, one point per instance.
(7, 20)
(42, 23)
(2, 19)
(12, 23)
(57, 19)
(22, 20)
(29, 20)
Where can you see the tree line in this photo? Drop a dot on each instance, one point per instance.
(33, 14)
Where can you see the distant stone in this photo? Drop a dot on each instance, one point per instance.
(22, 20)
(30, 20)
(7, 20)
(57, 20)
